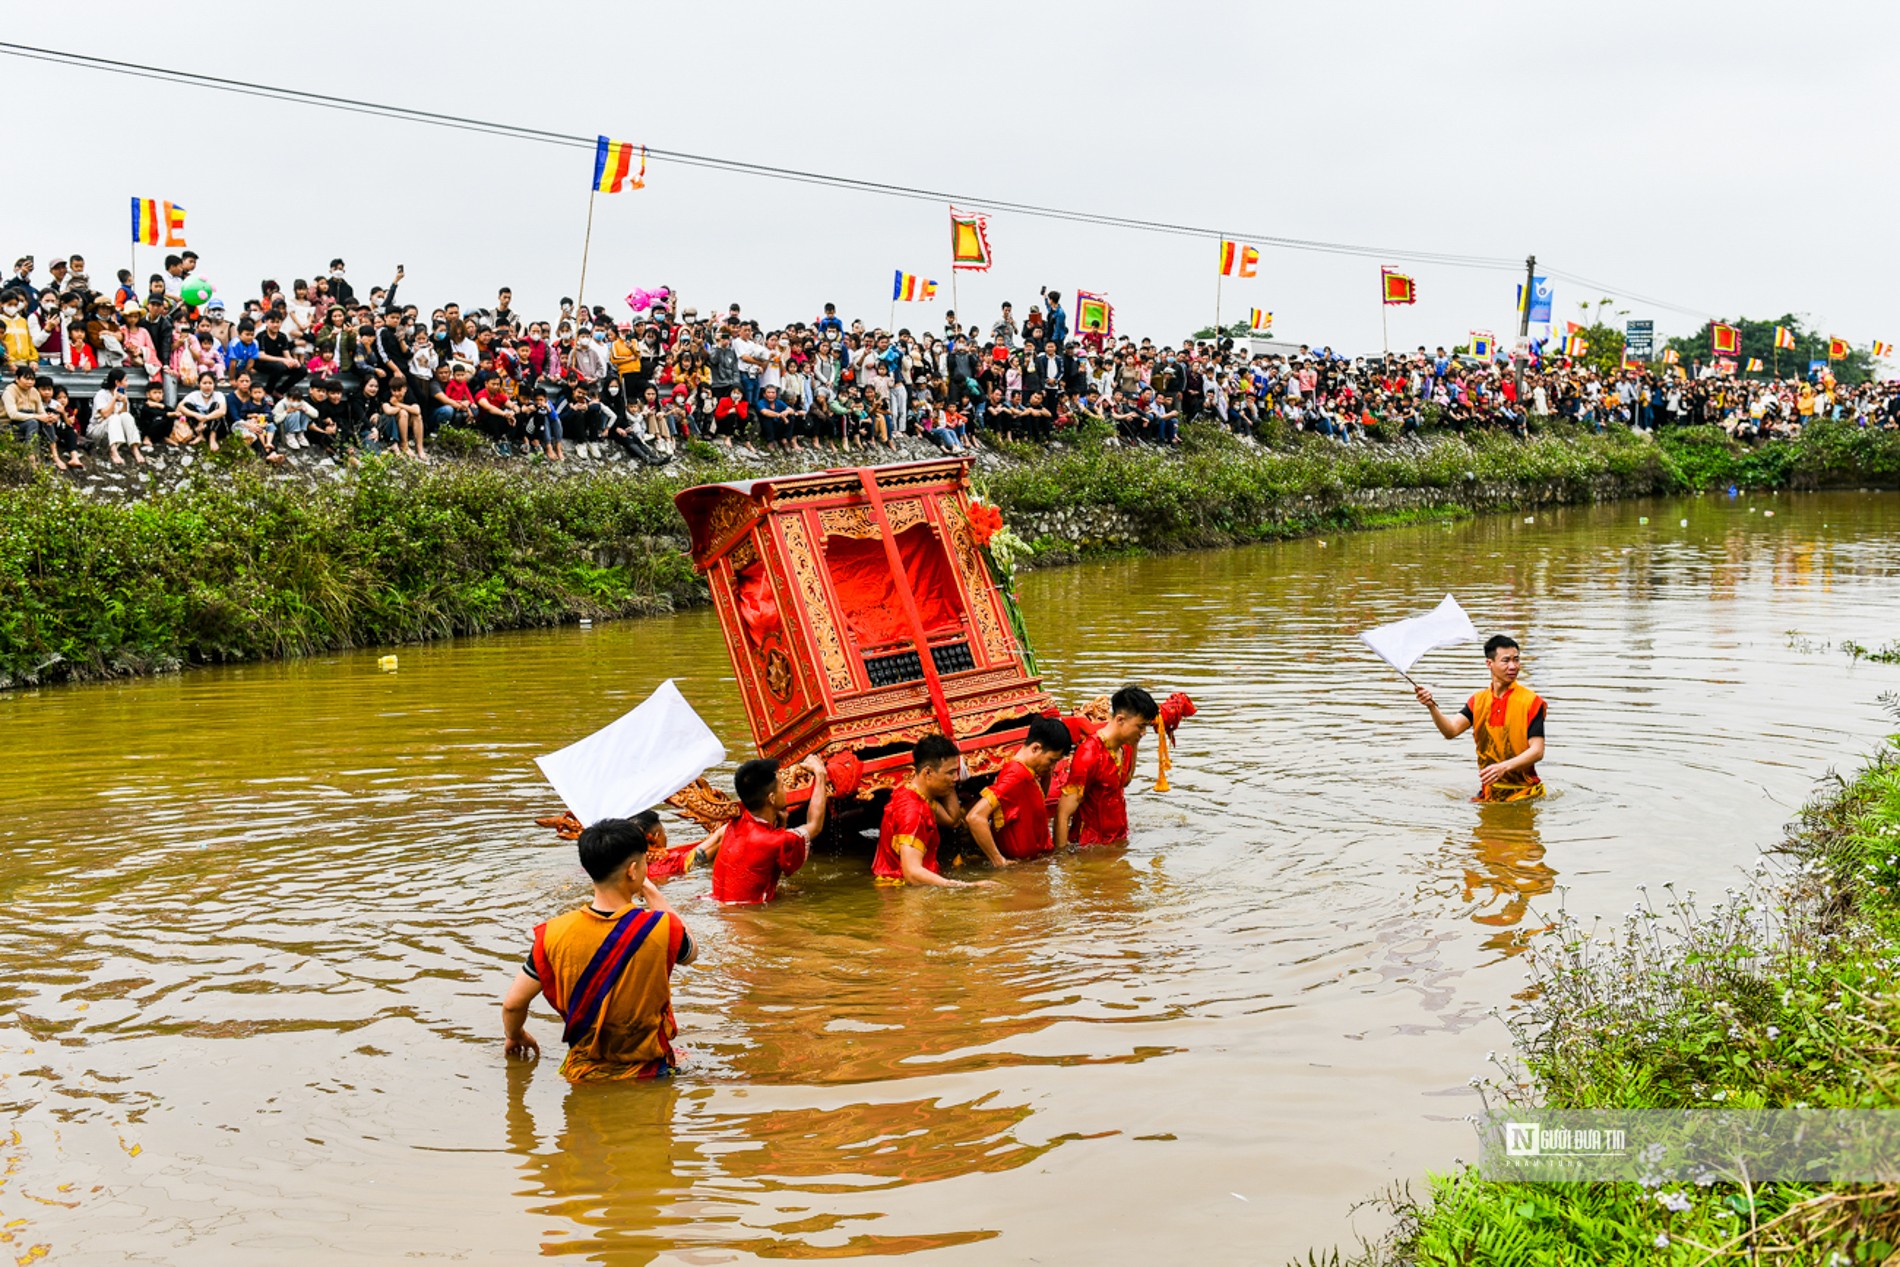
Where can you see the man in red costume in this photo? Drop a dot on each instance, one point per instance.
(1010, 822)
(907, 842)
(758, 849)
(1092, 811)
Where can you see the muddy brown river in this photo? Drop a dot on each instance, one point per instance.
(257, 920)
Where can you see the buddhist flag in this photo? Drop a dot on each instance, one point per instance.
(1094, 314)
(1237, 259)
(1400, 645)
(969, 240)
(1671, 356)
(613, 162)
(1397, 288)
(145, 221)
(1882, 349)
(1838, 349)
(1576, 345)
(1754, 365)
(1259, 320)
(1483, 345)
(174, 224)
(1784, 339)
(1726, 340)
(909, 286)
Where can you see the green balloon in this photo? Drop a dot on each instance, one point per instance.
(196, 292)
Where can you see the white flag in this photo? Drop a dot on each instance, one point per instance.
(636, 762)
(1400, 645)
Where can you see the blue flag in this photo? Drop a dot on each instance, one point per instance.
(1540, 298)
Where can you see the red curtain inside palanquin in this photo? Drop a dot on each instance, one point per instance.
(867, 593)
(758, 605)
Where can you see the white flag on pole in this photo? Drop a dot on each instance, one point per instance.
(1400, 645)
(636, 762)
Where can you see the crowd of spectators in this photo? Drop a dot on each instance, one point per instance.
(321, 366)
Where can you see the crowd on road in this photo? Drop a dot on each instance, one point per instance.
(323, 366)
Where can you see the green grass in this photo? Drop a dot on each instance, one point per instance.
(235, 566)
(1783, 994)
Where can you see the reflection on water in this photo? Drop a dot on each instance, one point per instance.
(1265, 1009)
(1500, 864)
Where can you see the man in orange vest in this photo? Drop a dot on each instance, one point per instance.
(1507, 721)
(605, 968)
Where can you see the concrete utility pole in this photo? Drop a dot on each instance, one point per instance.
(1530, 279)
(1524, 326)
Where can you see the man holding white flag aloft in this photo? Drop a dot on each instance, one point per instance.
(1506, 719)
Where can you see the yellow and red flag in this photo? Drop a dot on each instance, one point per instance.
(1838, 349)
(1397, 288)
(1237, 259)
(1726, 340)
(145, 221)
(909, 286)
(613, 163)
(969, 240)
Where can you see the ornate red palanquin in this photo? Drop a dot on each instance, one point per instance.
(861, 616)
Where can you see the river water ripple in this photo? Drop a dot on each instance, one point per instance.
(1266, 1009)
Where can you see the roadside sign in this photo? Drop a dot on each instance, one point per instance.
(1640, 338)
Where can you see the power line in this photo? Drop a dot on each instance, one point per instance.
(522, 132)
(352, 105)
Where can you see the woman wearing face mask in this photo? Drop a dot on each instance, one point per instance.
(613, 402)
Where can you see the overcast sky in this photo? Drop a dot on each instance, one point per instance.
(1732, 159)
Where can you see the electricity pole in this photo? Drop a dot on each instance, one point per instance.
(1524, 325)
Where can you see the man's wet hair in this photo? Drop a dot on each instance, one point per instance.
(1135, 702)
(1496, 642)
(1049, 734)
(754, 781)
(610, 844)
(932, 750)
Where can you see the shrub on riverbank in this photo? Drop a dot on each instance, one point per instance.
(1781, 995)
(239, 563)
(232, 566)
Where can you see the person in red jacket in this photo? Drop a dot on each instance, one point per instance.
(907, 842)
(758, 849)
(1092, 810)
(1010, 821)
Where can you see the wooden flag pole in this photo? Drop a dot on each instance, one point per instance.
(587, 243)
(1219, 276)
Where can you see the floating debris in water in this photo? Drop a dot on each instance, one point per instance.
(1685, 523)
(387, 664)
(1643, 520)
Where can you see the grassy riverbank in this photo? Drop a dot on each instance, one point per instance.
(1784, 994)
(232, 563)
